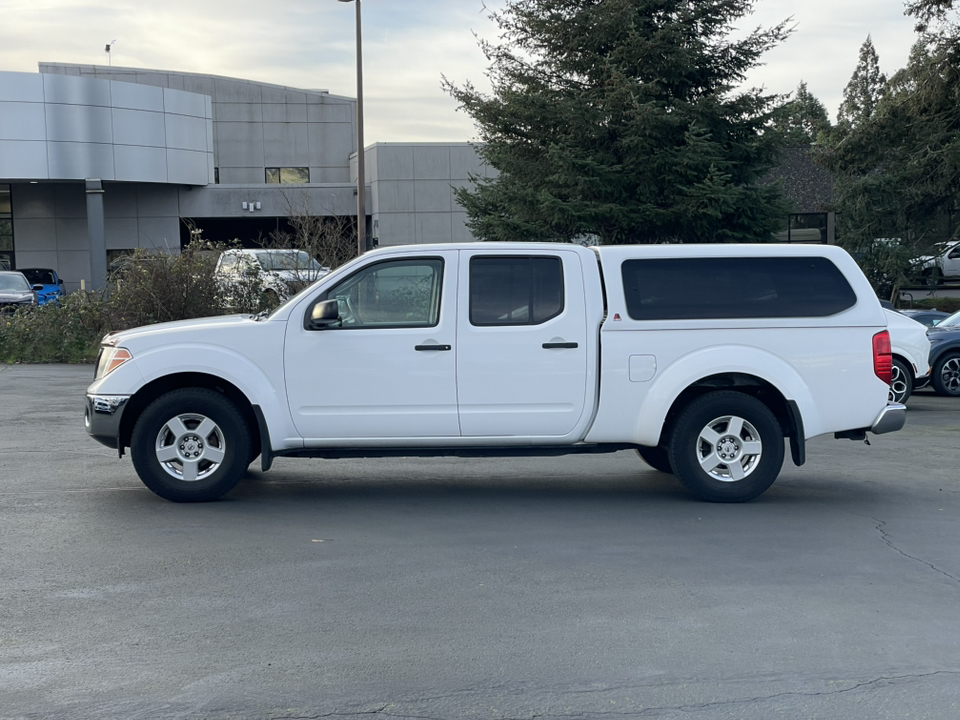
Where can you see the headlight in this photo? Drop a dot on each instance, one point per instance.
(110, 359)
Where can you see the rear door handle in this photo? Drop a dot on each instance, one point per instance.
(432, 347)
(554, 345)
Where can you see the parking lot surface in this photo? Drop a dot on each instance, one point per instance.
(578, 586)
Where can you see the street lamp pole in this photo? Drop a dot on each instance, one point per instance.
(361, 181)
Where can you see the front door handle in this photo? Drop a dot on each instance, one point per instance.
(432, 347)
(553, 345)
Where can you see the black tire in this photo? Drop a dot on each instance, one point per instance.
(741, 423)
(190, 432)
(657, 458)
(946, 375)
(901, 387)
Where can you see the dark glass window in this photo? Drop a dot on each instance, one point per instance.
(758, 287)
(515, 290)
(6, 229)
(288, 175)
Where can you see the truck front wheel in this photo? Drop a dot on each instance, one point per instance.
(190, 445)
(726, 447)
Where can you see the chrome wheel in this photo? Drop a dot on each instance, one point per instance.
(190, 447)
(729, 448)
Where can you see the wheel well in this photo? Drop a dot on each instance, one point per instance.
(152, 390)
(905, 361)
(738, 382)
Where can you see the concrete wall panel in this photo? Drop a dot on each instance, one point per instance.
(21, 87)
(240, 145)
(23, 159)
(396, 196)
(459, 230)
(184, 103)
(22, 121)
(235, 91)
(72, 234)
(78, 123)
(140, 164)
(70, 160)
(295, 113)
(434, 228)
(70, 91)
(136, 97)
(285, 144)
(121, 233)
(138, 127)
(43, 259)
(464, 161)
(187, 167)
(331, 145)
(431, 163)
(72, 266)
(329, 174)
(157, 201)
(396, 229)
(237, 112)
(394, 162)
(36, 234)
(159, 233)
(120, 200)
(433, 196)
(332, 113)
(33, 201)
(186, 133)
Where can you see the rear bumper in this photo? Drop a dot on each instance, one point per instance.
(891, 419)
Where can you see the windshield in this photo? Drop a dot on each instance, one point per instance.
(13, 281)
(952, 321)
(293, 260)
(37, 276)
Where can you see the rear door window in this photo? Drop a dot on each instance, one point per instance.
(515, 290)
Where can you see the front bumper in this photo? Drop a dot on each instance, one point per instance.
(891, 419)
(102, 418)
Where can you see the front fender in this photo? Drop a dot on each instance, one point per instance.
(686, 371)
(260, 387)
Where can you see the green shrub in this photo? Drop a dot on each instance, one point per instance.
(67, 333)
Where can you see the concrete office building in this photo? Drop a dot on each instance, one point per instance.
(233, 156)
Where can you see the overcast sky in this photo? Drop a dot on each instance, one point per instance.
(407, 45)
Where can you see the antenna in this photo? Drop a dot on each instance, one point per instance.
(107, 50)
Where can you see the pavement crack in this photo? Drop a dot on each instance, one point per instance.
(885, 536)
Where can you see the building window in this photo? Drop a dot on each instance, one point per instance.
(804, 228)
(6, 229)
(216, 176)
(288, 175)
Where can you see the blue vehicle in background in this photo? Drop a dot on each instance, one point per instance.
(52, 284)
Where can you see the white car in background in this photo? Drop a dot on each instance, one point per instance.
(281, 272)
(911, 353)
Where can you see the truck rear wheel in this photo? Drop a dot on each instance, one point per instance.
(727, 447)
(190, 445)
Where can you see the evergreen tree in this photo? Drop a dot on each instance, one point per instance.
(802, 119)
(866, 86)
(621, 121)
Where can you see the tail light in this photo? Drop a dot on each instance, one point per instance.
(883, 357)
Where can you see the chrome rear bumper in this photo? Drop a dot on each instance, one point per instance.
(891, 419)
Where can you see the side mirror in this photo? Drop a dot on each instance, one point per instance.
(60, 281)
(324, 314)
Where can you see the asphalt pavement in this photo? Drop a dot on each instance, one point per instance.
(572, 587)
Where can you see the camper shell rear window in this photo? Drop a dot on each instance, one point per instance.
(734, 287)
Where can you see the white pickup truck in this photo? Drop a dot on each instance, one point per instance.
(703, 358)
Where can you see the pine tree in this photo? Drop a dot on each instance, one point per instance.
(802, 119)
(866, 87)
(621, 121)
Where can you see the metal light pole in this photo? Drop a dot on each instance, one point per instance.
(361, 181)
